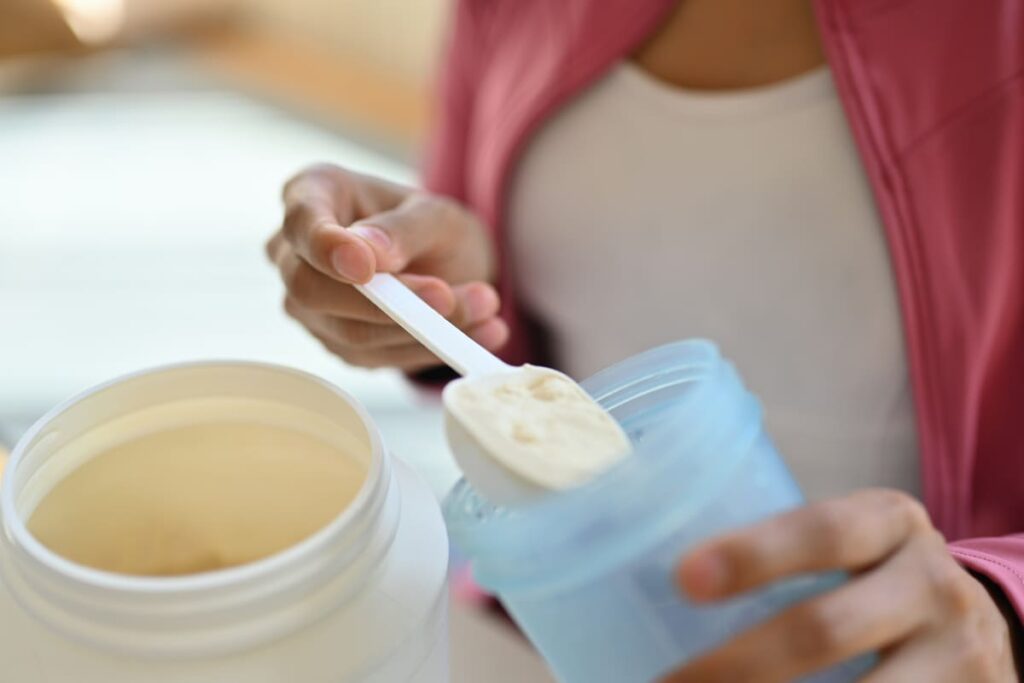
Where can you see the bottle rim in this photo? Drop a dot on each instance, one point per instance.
(196, 613)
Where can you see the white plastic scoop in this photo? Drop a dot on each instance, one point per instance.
(516, 432)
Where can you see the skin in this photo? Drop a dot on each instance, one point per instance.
(908, 600)
(730, 44)
(341, 227)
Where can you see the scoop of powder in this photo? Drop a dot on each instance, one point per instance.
(540, 424)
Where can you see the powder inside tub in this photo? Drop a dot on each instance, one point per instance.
(196, 498)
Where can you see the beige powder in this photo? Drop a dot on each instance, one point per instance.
(197, 498)
(539, 424)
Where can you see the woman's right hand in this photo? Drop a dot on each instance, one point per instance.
(341, 227)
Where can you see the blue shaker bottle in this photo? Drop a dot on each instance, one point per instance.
(587, 573)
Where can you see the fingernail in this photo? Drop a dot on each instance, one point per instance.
(706, 575)
(481, 303)
(374, 236)
(350, 264)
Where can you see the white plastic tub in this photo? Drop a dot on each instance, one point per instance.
(363, 599)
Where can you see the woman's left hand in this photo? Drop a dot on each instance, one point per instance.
(908, 600)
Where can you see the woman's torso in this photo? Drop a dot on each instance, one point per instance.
(936, 122)
(642, 213)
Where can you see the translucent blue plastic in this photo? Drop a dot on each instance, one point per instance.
(587, 574)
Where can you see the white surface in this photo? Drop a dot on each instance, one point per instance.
(131, 235)
(744, 217)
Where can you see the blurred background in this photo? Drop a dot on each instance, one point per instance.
(143, 144)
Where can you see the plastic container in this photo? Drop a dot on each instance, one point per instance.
(363, 599)
(588, 573)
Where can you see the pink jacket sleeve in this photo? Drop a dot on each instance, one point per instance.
(444, 164)
(1001, 560)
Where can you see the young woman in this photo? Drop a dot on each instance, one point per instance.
(833, 193)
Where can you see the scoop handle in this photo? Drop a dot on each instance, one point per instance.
(431, 328)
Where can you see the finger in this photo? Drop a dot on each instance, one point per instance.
(419, 227)
(355, 195)
(325, 184)
(314, 230)
(439, 294)
(878, 610)
(475, 302)
(361, 341)
(347, 333)
(311, 289)
(923, 660)
(273, 246)
(946, 656)
(476, 310)
(492, 334)
(848, 533)
(410, 357)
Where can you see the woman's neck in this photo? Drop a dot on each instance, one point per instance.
(727, 44)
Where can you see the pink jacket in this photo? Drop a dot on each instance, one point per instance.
(934, 92)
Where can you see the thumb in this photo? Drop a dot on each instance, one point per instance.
(417, 228)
